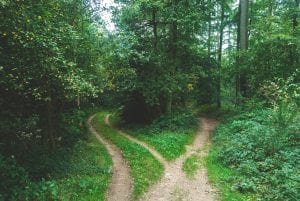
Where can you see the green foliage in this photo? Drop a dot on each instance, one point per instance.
(87, 174)
(49, 60)
(83, 174)
(177, 121)
(191, 165)
(145, 172)
(222, 178)
(264, 158)
(163, 49)
(169, 133)
(13, 177)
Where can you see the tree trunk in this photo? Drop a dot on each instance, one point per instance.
(241, 85)
(244, 25)
(50, 125)
(209, 30)
(220, 56)
(169, 103)
(78, 99)
(295, 16)
(173, 58)
(154, 23)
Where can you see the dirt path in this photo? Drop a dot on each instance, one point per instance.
(175, 186)
(121, 183)
(150, 149)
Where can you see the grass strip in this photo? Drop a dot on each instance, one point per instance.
(191, 165)
(145, 168)
(171, 145)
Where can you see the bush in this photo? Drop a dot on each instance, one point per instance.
(13, 177)
(177, 121)
(264, 157)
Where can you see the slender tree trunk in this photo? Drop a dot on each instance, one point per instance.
(169, 99)
(78, 99)
(241, 85)
(220, 55)
(237, 75)
(295, 16)
(244, 41)
(244, 25)
(209, 30)
(154, 23)
(271, 4)
(50, 125)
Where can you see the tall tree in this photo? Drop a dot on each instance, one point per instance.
(220, 50)
(295, 15)
(242, 45)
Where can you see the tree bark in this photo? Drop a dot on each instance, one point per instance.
(209, 30)
(154, 23)
(78, 99)
(244, 24)
(242, 45)
(295, 16)
(50, 125)
(220, 55)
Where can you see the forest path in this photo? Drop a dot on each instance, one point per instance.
(175, 186)
(120, 188)
(155, 153)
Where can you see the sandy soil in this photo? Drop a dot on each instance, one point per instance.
(120, 188)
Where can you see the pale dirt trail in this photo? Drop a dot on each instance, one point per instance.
(120, 188)
(150, 149)
(175, 186)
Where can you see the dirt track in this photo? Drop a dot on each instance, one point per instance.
(175, 186)
(120, 188)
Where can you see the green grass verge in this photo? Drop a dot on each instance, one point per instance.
(88, 173)
(191, 165)
(170, 144)
(168, 134)
(145, 169)
(221, 178)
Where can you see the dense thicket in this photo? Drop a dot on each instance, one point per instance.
(49, 66)
(49, 58)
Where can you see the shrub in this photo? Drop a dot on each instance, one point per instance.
(13, 177)
(264, 157)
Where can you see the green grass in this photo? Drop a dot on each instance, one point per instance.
(191, 165)
(168, 134)
(170, 144)
(221, 178)
(87, 175)
(145, 169)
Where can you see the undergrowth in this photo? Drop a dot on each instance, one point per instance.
(78, 170)
(168, 134)
(262, 152)
(145, 169)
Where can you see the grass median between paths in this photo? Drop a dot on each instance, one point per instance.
(145, 169)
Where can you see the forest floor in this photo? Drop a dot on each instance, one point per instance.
(174, 185)
(121, 183)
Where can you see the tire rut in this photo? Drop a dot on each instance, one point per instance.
(120, 188)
